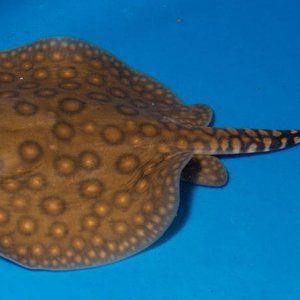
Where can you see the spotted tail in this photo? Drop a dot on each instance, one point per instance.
(236, 141)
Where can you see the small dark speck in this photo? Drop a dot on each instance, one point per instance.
(179, 20)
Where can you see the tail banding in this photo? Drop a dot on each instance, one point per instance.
(237, 141)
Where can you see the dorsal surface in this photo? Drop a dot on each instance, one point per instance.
(91, 155)
(86, 177)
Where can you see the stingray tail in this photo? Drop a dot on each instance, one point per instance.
(220, 141)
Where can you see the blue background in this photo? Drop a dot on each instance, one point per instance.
(241, 58)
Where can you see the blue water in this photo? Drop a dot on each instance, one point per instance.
(243, 59)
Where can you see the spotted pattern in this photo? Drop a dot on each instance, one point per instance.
(112, 134)
(30, 151)
(127, 163)
(91, 188)
(65, 165)
(91, 155)
(53, 205)
(25, 109)
(89, 160)
(63, 131)
(71, 106)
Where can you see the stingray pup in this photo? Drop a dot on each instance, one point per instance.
(92, 152)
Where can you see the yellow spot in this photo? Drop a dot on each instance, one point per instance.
(156, 219)
(148, 207)
(91, 188)
(139, 219)
(142, 186)
(10, 185)
(30, 151)
(65, 165)
(92, 254)
(127, 163)
(163, 148)
(149, 130)
(90, 223)
(89, 127)
(78, 259)
(21, 251)
(97, 240)
(76, 57)
(27, 225)
(102, 254)
(58, 230)
(53, 205)
(89, 160)
(39, 57)
(40, 74)
(78, 243)
(25, 108)
(6, 77)
(71, 105)
(37, 250)
(112, 135)
(67, 72)
(57, 56)
(162, 211)
(111, 246)
(133, 240)
(63, 131)
(20, 202)
(122, 199)
(121, 227)
(54, 251)
(36, 182)
(96, 79)
(101, 209)
(7, 64)
(6, 241)
(140, 232)
(130, 125)
(135, 140)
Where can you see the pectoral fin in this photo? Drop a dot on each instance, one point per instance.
(205, 170)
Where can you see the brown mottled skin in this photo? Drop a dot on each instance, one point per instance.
(91, 155)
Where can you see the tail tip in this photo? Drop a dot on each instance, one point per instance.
(296, 136)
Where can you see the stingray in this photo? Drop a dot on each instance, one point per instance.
(92, 153)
